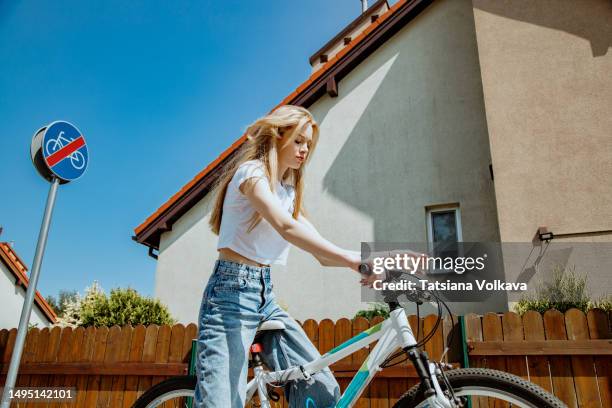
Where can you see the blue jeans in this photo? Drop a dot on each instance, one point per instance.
(236, 300)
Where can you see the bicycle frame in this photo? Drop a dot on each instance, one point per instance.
(392, 333)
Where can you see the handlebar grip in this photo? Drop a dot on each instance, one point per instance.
(365, 269)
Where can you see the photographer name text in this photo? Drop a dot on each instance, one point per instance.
(448, 285)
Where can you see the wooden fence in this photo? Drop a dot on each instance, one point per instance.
(108, 367)
(112, 367)
(567, 354)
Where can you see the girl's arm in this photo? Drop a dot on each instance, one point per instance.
(299, 234)
(322, 260)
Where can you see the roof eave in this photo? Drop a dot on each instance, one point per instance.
(360, 18)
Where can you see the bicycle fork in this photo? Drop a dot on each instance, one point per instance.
(428, 373)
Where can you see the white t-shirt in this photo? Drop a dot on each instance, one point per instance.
(263, 244)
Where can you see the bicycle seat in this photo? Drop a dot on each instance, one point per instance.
(266, 326)
(270, 325)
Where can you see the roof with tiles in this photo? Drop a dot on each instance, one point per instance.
(305, 94)
(14, 264)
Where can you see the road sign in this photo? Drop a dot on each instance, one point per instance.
(59, 150)
(60, 155)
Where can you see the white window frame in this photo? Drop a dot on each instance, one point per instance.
(437, 209)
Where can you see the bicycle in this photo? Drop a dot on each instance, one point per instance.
(439, 387)
(76, 158)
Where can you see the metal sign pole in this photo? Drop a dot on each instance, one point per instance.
(24, 320)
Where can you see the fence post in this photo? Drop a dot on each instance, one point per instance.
(191, 369)
(464, 351)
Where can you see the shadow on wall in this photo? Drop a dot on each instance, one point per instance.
(418, 134)
(421, 138)
(588, 19)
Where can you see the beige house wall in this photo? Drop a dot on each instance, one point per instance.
(547, 77)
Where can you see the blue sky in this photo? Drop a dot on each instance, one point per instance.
(159, 89)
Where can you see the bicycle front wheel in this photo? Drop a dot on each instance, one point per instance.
(487, 388)
(173, 392)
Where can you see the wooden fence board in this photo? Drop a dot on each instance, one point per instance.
(51, 352)
(582, 366)
(379, 387)
(311, 328)
(29, 354)
(435, 346)
(533, 327)
(40, 355)
(9, 343)
(473, 332)
(63, 356)
(326, 335)
(343, 331)
(3, 340)
(492, 330)
(86, 353)
(379, 393)
(148, 355)
(560, 367)
(110, 357)
(599, 328)
(175, 352)
(397, 388)
(191, 332)
(512, 326)
(75, 348)
(417, 327)
(93, 383)
(452, 339)
(130, 393)
(162, 349)
(359, 325)
(123, 355)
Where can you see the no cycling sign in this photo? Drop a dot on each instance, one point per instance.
(60, 155)
(59, 151)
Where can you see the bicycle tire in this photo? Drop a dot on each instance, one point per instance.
(498, 384)
(174, 387)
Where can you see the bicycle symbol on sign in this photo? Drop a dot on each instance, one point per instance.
(53, 145)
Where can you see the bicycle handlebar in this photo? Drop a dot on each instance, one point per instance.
(365, 269)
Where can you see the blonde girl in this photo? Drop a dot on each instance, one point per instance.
(258, 214)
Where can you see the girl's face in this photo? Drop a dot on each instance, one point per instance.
(295, 153)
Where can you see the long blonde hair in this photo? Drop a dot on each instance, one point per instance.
(265, 138)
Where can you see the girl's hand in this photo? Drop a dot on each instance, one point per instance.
(367, 279)
(418, 257)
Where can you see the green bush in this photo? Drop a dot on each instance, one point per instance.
(122, 307)
(566, 290)
(378, 309)
(64, 298)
